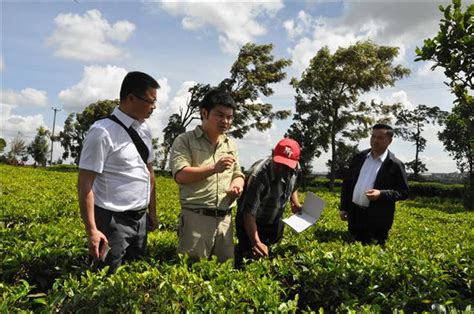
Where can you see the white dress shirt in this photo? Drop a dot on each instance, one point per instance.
(123, 180)
(366, 178)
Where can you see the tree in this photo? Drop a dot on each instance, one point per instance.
(77, 124)
(328, 90)
(301, 131)
(174, 128)
(452, 49)
(38, 148)
(3, 143)
(344, 154)
(250, 77)
(251, 74)
(411, 124)
(17, 153)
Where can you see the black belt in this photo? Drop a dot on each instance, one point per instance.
(212, 212)
(361, 207)
(132, 214)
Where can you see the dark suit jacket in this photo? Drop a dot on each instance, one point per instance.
(392, 182)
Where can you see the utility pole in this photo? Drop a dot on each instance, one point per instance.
(52, 135)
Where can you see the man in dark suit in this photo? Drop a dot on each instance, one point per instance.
(374, 182)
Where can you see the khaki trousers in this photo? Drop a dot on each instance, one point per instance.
(202, 236)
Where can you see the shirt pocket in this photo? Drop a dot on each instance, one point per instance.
(200, 156)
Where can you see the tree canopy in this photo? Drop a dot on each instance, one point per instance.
(410, 125)
(453, 49)
(39, 147)
(327, 95)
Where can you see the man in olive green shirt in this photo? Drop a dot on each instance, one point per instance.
(204, 163)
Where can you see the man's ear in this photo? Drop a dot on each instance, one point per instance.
(204, 113)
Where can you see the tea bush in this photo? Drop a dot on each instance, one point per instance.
(426, 264)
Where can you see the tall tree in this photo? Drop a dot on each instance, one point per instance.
(410, 125)
(77, 124)
(344, 154)
(328, 91)
(250, 76)
(452, 49)
(38, 148)
(17, 151)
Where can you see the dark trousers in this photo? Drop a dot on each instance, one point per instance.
(126, 233)
(363, 228)
(268, 233)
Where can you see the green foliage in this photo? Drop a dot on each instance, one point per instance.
(452, 49)
(434, 189)
(250, 76)
(3, 143)
(44, 269)
(327, 96)
(77, 124)
(410, 125)
(38, 148)
(344, 154)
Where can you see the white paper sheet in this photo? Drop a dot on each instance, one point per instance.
(312, 208)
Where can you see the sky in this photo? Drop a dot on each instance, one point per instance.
(69, 54)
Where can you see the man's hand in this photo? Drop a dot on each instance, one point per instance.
(234, 191)
(223, 164)
(152, 222)
(344, 215)
(259, 250)
(372, 194)
(94, 239)
(296, 208)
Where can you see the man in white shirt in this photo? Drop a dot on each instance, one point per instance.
(116, 179)
(374, 182)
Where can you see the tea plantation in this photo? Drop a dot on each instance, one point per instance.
(425, 266)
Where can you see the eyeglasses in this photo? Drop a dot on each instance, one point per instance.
(150, 102)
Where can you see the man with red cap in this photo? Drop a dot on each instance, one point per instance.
(270, 184)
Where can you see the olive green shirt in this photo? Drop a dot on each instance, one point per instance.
(194, 149)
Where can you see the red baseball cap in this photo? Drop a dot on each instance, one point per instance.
(287, 152)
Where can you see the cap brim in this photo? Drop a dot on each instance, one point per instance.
(285, 161)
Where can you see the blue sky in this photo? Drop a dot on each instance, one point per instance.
(68, 54)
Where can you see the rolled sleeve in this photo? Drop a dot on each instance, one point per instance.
(180, 155)
(237, 171)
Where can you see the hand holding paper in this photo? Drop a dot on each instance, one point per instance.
(311, 211)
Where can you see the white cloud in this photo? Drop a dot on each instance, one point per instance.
(13, 123)
(162, 94)
(26, 97)
(425, 71)
(379, 21)
(97, 83)
(298, 27)
(1, 63)
(89, 37)
(236, 22)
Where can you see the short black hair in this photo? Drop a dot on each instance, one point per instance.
(137, 83)
(216, 97)
(382, 126)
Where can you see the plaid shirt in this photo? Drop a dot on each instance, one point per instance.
(265, 195)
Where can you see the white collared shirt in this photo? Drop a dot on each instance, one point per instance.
(366, 178)
(123, 180)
